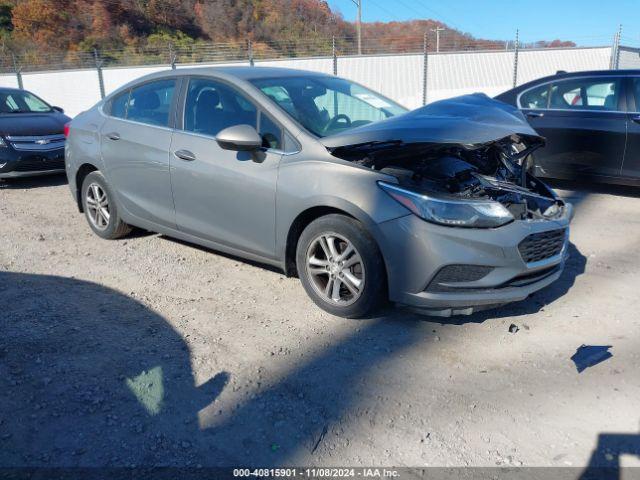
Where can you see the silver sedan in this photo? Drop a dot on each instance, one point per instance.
(327, 180)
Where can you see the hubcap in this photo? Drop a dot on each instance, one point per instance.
(97, 206)
(335, 269)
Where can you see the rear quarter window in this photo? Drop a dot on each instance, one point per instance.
(536, 98)
(118, 105)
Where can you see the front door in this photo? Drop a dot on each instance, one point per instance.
(220, 195)
(631, 165)
(583, 124)
(135, 140)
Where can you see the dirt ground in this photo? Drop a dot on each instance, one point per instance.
(148, 351)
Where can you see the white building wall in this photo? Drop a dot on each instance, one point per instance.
(73, 90)
(534, 64)
(114, 78)
(9, 80)
(323, 65)
(453, 74)
(629, 58)
(396, 76)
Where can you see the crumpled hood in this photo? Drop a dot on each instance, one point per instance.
(466, 120)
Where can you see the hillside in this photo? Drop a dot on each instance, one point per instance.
(44, 27)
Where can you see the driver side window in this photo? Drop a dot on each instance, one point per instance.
(212, 106)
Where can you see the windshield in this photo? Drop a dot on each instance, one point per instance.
(21, 102)
(326, 105)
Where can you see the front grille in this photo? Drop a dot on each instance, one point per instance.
(541, 246)
(39, 165)
(36, 143)
(519, 281)
(532, 277)
(457, 274)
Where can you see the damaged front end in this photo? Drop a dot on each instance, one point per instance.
(476, 176)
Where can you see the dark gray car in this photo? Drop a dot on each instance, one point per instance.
(325, 179)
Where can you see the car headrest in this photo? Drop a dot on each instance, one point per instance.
(208, 98)
(147, 101)
(609, 101)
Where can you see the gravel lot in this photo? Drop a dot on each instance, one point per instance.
(148, 351)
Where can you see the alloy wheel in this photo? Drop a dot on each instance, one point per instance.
(97, 206)
(335, 269)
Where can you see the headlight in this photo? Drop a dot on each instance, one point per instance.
(450, 212)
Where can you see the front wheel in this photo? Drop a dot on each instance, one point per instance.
(341, 267)
(100, 208)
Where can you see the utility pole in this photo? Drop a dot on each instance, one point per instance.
(99, 64)
(617, 60)
(18, 69)
(438, 30)
(516, 50)
(358, 4)
(425, 68)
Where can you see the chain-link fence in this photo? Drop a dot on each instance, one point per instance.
(432, 41)
(411, 69)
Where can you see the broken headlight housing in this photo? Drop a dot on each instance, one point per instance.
(449, 211)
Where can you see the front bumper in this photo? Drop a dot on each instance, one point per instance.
(26, 164)
(415, 251)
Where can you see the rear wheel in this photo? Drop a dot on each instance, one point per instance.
(100, 208)
(340, 266)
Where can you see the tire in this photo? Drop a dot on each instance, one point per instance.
(316, 271)
(95, 185)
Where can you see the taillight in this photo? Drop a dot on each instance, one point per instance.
(66, 129)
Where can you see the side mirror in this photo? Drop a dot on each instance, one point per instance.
(58, 109)
(240, 138)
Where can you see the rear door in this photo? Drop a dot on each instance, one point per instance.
(584, 122)
(135, 141)
(631, 165)
(221, 195)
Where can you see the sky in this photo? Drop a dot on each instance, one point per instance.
(586, 22)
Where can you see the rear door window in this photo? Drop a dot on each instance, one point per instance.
(151, 103)
(586, 94)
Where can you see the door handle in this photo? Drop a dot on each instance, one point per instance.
(534, 114)
(113, 136)
(636, 119)
(185, 155)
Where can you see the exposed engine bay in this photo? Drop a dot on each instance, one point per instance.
(496, 170)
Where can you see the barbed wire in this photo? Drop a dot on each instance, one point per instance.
(244, 50)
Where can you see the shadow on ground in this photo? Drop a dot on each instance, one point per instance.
(605, 461)
(96, 378)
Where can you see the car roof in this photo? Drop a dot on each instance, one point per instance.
(585, 73)
(238, 72)
(230, 73)
(11, 90)
(251, 73)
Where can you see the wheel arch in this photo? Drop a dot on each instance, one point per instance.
(82, 172)
(311, 213)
